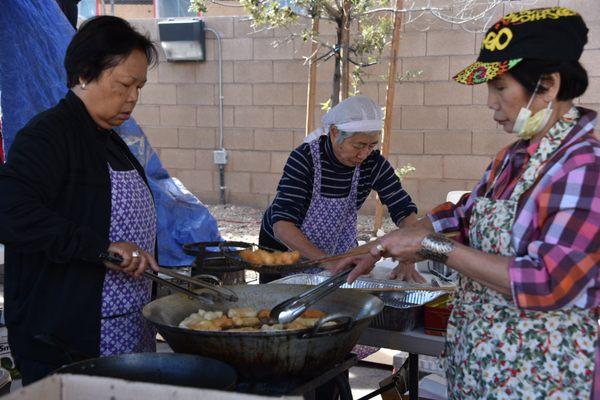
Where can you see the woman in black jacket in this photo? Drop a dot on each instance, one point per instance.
(70, 192)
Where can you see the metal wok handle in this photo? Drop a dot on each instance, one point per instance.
(345, 320)
(221, 292)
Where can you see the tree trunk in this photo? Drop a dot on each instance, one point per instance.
(337, 71)
(345, 45)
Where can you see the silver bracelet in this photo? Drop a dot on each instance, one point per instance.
(436, 247)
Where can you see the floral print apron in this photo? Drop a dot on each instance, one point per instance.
(495, 350)
(330, 223)
(123, 329)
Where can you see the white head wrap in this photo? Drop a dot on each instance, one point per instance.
(355, 114)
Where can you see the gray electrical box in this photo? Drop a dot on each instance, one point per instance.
(182, 39)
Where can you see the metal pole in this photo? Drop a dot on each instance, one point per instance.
(222, 186)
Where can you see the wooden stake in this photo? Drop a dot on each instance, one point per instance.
(312, 82)
(389, 102)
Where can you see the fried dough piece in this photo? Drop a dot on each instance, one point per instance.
(204, 326)
(223, 322)
(245, 322)
(294, 325)
(242, 312)
(271, 328)
(263, 257)
(264, 314)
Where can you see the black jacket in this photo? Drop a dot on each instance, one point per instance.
(55, 206)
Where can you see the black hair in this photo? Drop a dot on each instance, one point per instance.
(573, 77)
(102, 43)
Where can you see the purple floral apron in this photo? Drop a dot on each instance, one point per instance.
(133, 219)
(330, 223)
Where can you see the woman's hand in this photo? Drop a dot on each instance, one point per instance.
(135, 260)
(401, 244)
(363, 264)
(407, 272)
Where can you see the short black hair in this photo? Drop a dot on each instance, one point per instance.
(102, 43)
(573, 77)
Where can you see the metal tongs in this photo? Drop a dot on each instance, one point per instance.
(220, 293)
(288, 310)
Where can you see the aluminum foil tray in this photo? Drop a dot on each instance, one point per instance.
(403, 310)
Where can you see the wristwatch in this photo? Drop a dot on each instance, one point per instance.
(436, 247)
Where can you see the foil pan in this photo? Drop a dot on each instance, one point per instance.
(403, 311)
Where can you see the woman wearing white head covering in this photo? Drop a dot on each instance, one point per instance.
(327, 179)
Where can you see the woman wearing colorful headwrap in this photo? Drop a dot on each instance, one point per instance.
(327, 179)
(524, 322)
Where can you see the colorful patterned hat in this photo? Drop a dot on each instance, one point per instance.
(552, 34)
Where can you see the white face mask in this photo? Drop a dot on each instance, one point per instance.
(527, 126)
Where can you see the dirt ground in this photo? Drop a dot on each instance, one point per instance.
(243, 223)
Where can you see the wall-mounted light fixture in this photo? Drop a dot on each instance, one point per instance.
(182, 39)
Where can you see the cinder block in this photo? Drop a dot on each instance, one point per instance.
(406, 93)
(158, 94)
(490, 143)
(169, 72)
(198, 93)
(239, 139)
(223, 25)
(273, 140)
(406, 142)
(237, 94)
(413, 44)
(290, 71)
(208, 116)
(237, 49)
(450, 43)
(269, 49)
(426, 166)
(179, 115)
(290, 117)
(465, 167)
(442, 93)
(205, 160)
(470, 117)
(372, 90)
(593, 34)
(243, 28)
(161, 137)
(424, 117)
(152, 76)
(253, 71)
(433, 192)
(178, 158)
(146, 115)
(208, 72)
(299, 93)
(197, 138)
(272, 94)
(237, 182)
(432, 68)
(448, 142)
(257, 200)
(249, 161)
(195, 180)
(265, 183)
(253, 117)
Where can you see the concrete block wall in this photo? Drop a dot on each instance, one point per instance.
(442, 128)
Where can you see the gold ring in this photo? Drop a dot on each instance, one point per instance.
(380, 248)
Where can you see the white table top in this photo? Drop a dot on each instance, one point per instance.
(415, 341)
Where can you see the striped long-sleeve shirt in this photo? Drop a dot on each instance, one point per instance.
(556, 233)
(295, 187)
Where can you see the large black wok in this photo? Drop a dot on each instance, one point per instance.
(165, 368)
(266, 355)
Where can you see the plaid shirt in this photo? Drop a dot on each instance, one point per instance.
(556, 233)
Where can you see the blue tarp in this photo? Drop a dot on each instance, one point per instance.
(34, 35)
